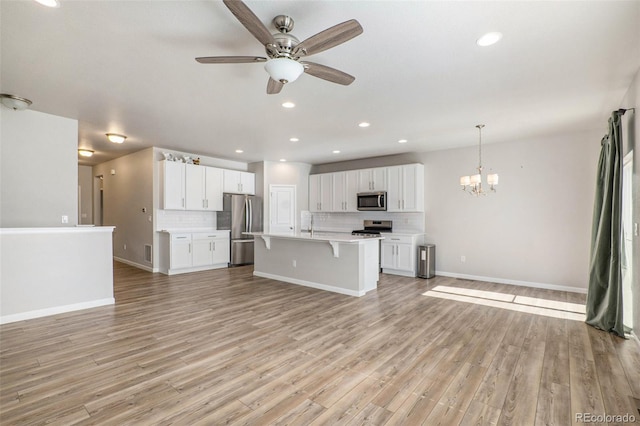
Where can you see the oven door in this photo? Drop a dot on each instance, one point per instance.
(370, 201)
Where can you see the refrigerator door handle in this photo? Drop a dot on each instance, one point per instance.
(246, 215)
(250, 216)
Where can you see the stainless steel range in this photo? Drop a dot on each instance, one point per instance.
(374, 227)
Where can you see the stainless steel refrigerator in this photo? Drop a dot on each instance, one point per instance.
(240, 213)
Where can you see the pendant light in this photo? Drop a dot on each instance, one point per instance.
(473, 184)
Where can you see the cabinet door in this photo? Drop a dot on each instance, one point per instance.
(231, 179)
(351, 191)
(247, 183)
(394, 189)
(314, 193)
(338, 193)
(173, 185)
(202, 252)
(326, 181)
(221, 251)
(405, 257)
(364, 181)
(213, 189)
(388, 255)
(180, 253)
(194, 187)
(379, 179)
(413, 188)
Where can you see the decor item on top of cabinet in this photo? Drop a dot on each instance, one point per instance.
(474, 182)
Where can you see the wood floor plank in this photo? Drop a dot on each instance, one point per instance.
(224, 346)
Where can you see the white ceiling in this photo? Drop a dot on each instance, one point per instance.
(128, 67)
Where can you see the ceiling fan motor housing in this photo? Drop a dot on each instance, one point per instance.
(284, 41)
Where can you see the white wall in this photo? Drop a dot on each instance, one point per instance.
(38, 169)
(45, 271)
(535, 230)
(125, 194)
(85, 201)
(277, 173)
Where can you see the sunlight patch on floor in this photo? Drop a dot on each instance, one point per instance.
(530, 305)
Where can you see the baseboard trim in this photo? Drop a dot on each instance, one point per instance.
(309, 284)
(56, 310)
(134, 264)
(513, 282)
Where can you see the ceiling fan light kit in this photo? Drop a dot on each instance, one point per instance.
(284, 70)
(285, 50)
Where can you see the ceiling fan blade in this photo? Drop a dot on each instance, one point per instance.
(327, 73)
(273, 86)
(250, 21)
(329, 38)
(230, 59)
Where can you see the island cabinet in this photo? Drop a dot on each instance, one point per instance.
(320, 196)
(399, 252)
(372, 179)
(345, 190)
(184, 251)
(405, 188)
(172, 177)
(237, 182)
(203, 188)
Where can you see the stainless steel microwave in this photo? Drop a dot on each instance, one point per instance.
(369, 201)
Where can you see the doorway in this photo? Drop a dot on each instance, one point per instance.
(282, 208)
(98, 201)
(627, 240)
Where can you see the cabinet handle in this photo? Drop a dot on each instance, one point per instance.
(402, 204)
(189, 247)
(183, 202)
(214, 246)
(398, 203)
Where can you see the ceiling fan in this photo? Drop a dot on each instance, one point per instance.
(285, 50)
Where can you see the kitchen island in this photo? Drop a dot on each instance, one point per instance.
(338, 262)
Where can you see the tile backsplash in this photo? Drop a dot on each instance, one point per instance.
(347, 222)
(178, 219)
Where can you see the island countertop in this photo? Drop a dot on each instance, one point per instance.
(341, 237)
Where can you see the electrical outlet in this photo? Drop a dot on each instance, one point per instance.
(463, 259)
(65, 219)
(295, 263)
(125, 246)
(149, 218)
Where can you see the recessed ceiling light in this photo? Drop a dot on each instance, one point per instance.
(283, 159)
(294, 139)
(116, 138)
(49, 3)
(288, 104)
(85, 152)
(239, 151)
(489, 38)
(336, 151)
(402, 141)
(364, 124)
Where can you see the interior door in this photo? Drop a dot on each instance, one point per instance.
(282, 208)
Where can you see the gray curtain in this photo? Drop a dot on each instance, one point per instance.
(604, 297)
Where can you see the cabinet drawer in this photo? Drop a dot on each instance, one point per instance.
(397, 239)
(210, 235)
(180, 237)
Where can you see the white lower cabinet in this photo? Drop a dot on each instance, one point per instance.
(196, 251)
(399, 252)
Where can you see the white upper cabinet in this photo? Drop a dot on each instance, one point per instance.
(172, 177)
(203, 188)
(238, 182)
(345, 190)
(372, 179)
(405, 188)
(320, 192)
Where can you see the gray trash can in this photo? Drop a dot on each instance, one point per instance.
(427, 261)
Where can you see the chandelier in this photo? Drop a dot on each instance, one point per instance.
(473, 184)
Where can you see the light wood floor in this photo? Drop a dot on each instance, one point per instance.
(223, 346)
